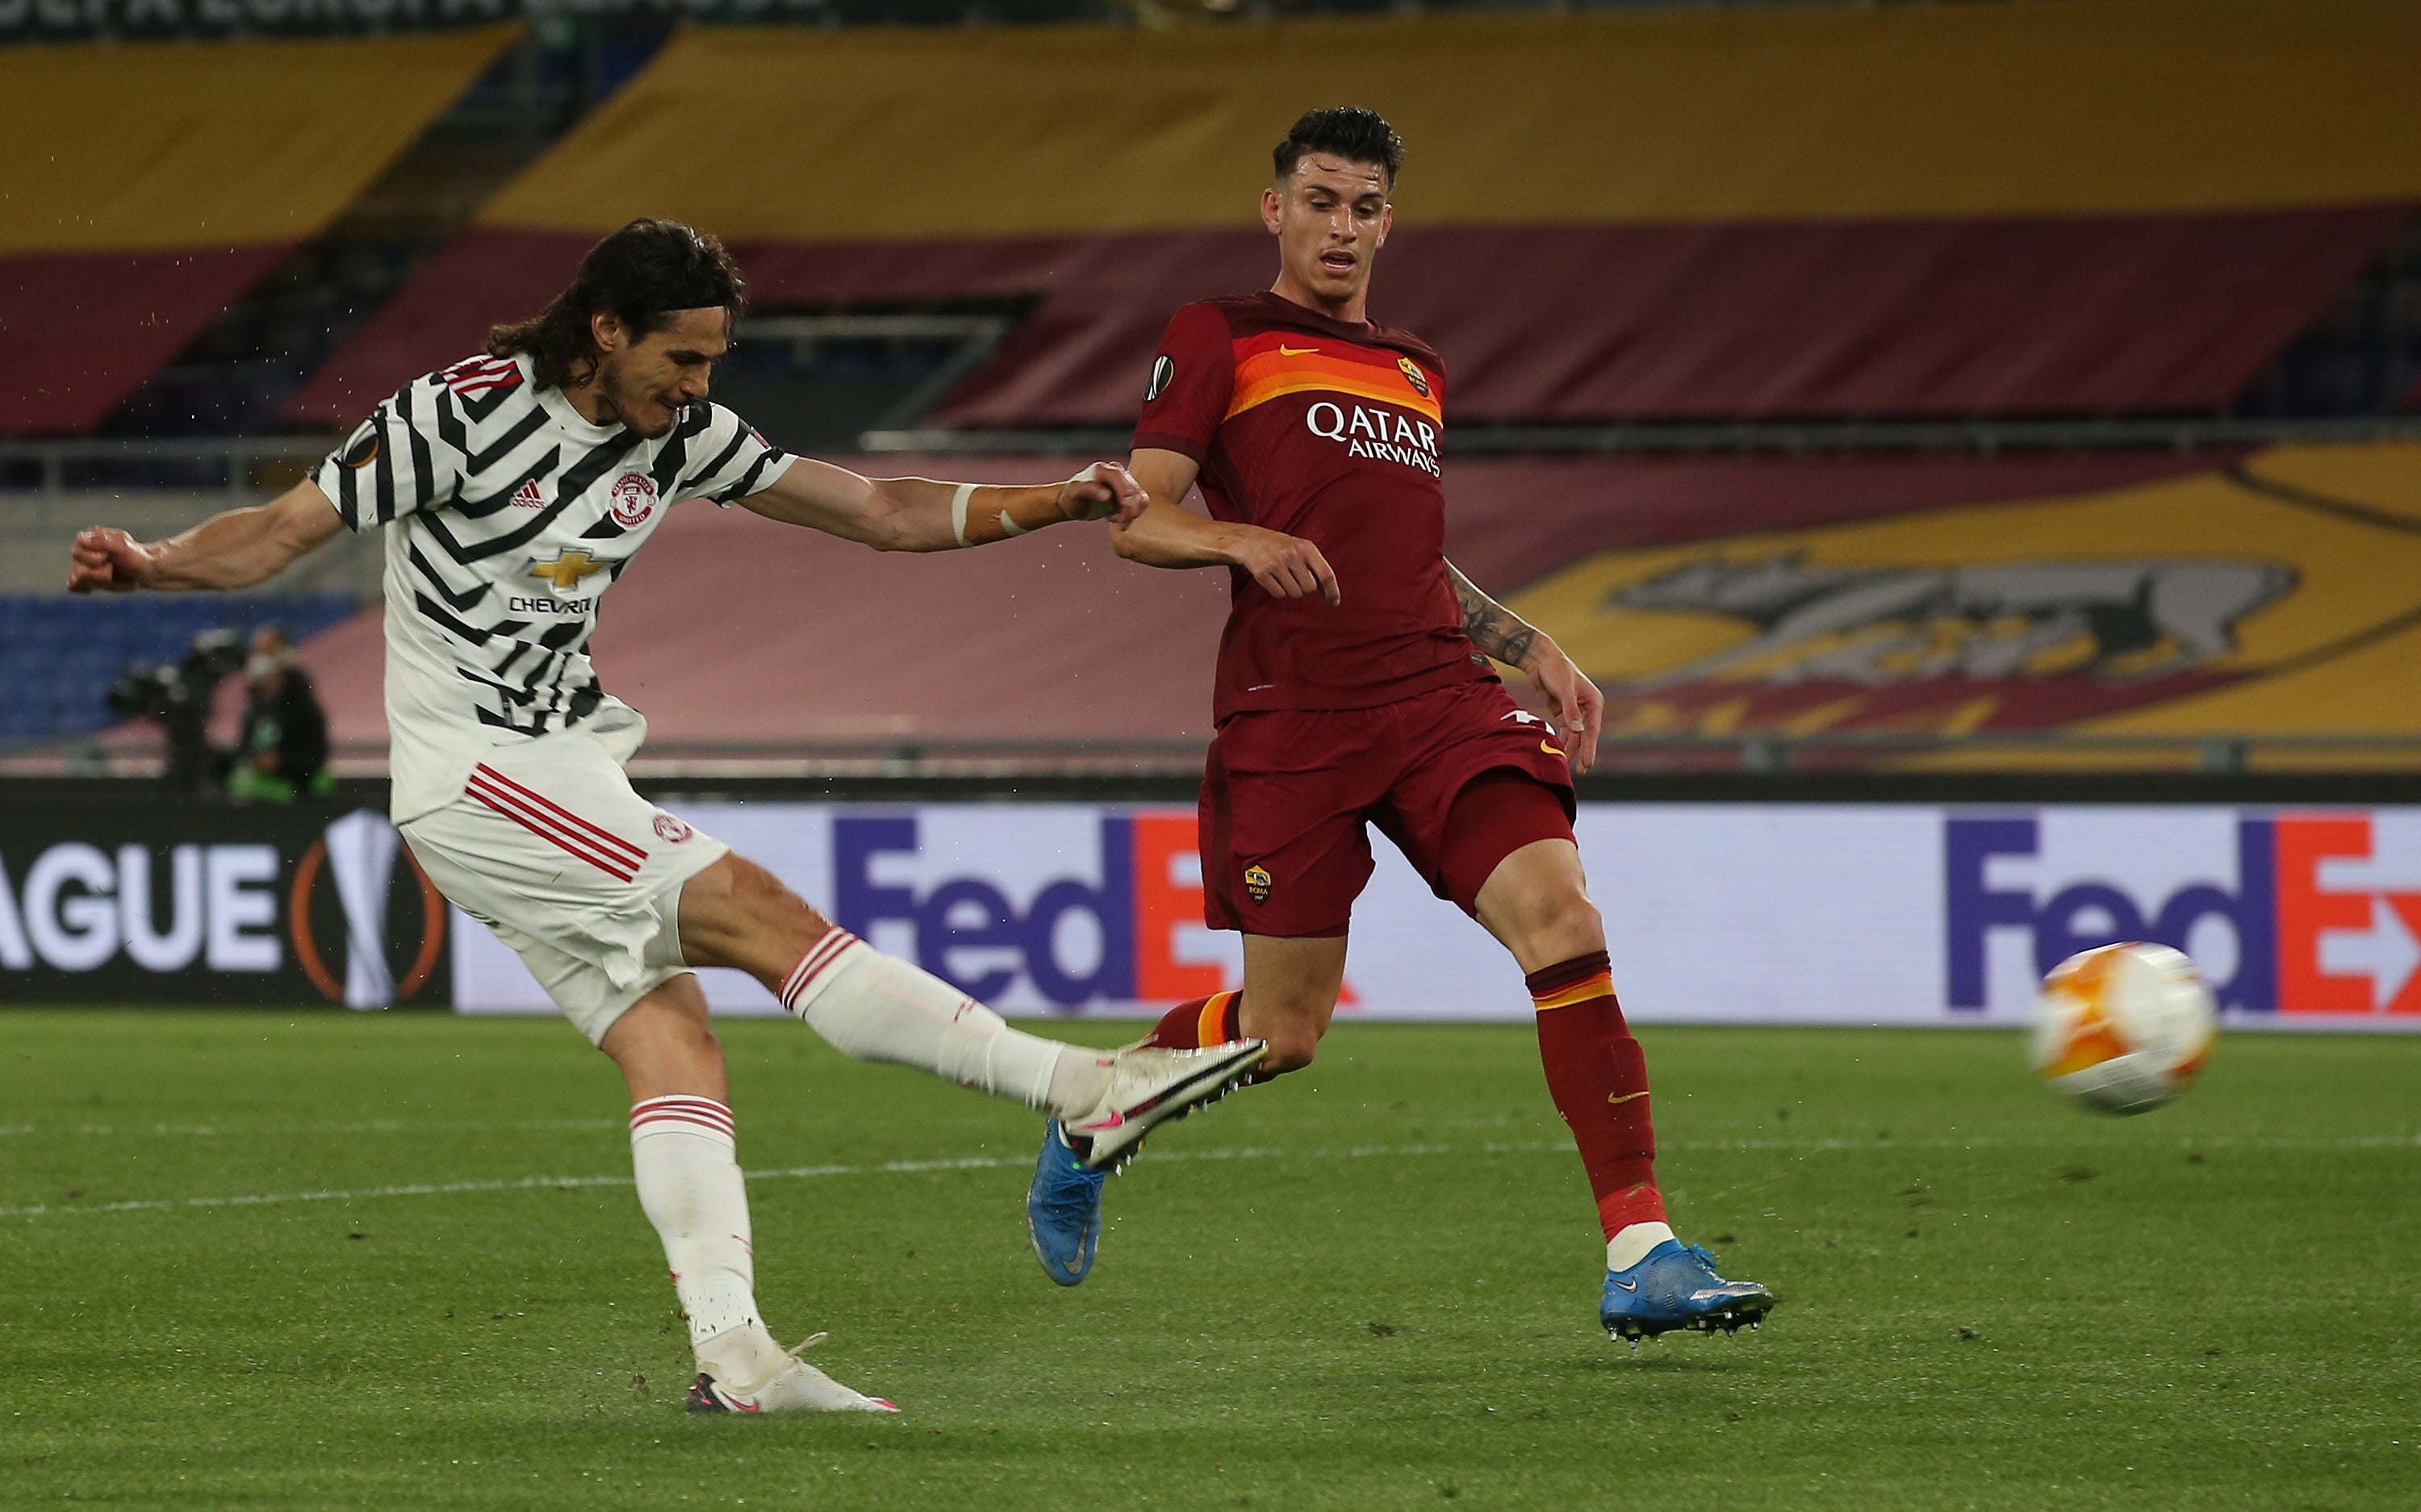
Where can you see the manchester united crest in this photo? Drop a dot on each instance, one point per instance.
(634, 499)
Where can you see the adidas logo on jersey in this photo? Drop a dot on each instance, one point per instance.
(528, 497)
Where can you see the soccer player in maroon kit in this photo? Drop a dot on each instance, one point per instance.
(1354, 687)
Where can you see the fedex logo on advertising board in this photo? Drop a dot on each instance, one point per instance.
(1114, 932)
(2307, 912)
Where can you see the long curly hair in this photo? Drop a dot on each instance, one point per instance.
(641, 274)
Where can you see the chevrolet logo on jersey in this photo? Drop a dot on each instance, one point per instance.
(565, 569)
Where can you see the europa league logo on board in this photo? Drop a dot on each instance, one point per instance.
(365, 936)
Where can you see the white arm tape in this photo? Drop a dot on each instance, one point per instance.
(1092, 474)
(1008, 525)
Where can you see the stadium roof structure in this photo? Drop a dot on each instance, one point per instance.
(146, 185)
(2006, 210)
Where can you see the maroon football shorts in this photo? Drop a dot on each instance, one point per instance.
(1287, 792)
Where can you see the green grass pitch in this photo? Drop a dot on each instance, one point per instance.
(1370, 1285)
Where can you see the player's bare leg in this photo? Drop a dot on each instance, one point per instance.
(664, 1047)
(1535, 902)
(1289, 994)
(1291, 987)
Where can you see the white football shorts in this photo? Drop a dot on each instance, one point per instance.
(549, 847)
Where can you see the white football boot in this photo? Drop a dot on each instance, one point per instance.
(794, 1387)
(1149, 1087)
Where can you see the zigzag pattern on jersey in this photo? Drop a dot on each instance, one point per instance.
(494, 483)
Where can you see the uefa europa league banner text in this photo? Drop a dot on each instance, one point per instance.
(216, 905)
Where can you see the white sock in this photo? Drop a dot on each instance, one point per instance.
(877, 1007)
(1631, 1246)
(682, 1152)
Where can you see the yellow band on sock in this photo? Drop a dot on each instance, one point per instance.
(1601, 985)
(1212, 1030)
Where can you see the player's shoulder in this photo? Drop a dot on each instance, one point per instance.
(714, 432)
(715, 417)
(1394, 339)
(1205, 320)
(481, 376)
(475, 392)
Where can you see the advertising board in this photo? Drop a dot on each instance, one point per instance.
(1715, 913)
(149, 903)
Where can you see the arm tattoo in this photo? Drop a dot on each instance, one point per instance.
(1492, 628)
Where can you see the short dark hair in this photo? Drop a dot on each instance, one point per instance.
(1349, 131)
(641, 274)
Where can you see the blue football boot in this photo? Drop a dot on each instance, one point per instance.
(1063, 1209)
(1676, 1286)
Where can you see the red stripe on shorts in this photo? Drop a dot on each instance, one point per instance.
(552, 833)
(604, 836)
(598, 833)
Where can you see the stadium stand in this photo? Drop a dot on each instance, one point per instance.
(148, 185)
(2268, 597)
(65, 652)
(2020, 209)
(1784, 214)
(2152, 602)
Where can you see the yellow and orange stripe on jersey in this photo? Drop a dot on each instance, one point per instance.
(1273, 364)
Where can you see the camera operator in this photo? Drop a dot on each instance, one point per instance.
(283, 753)
(177, 695)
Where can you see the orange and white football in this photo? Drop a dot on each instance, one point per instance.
(2123, 1028)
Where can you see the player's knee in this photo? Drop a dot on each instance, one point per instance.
(1294, 1037)
(1562, 923)
(692, 1044)
(1290, 1050)
(664, 1040)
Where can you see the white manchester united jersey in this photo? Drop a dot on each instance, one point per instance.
(507, 515)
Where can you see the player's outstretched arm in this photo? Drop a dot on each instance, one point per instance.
(1573, 701)
(1167, 534)
(920, 514)
(234, 550)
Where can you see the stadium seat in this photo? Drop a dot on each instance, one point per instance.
(65, 652)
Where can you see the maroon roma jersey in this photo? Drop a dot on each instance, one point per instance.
(1328, 431)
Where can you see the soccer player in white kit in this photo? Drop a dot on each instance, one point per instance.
(511, 489)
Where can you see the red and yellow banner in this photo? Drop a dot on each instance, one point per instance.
(2278, 595)
(146, 186)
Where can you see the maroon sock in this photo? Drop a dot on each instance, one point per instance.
(1206, 1021)
(1598, 1076)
